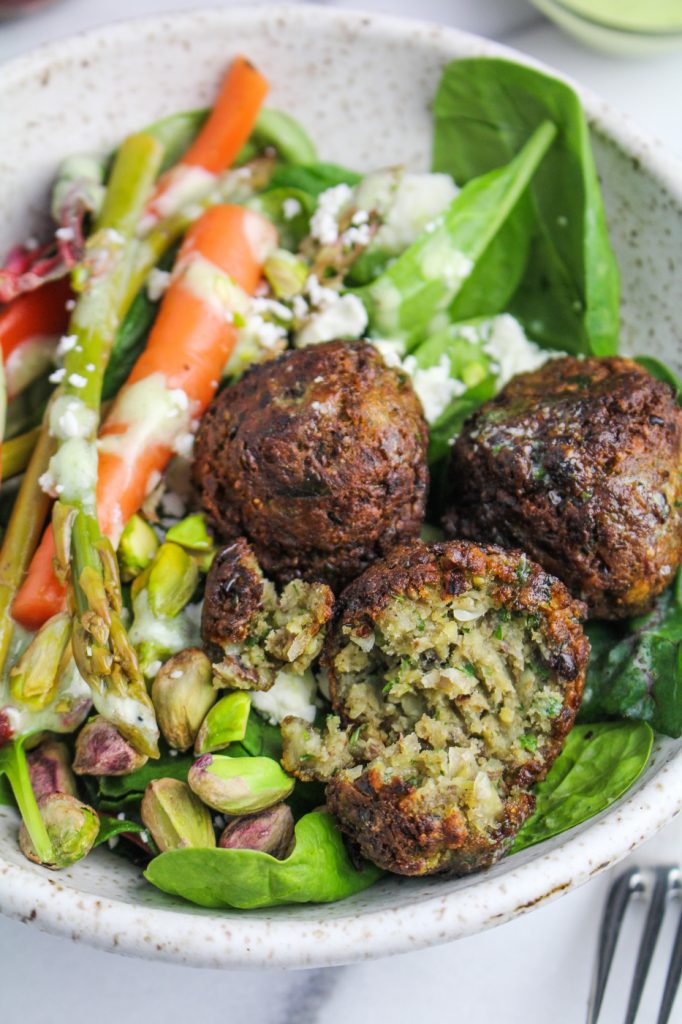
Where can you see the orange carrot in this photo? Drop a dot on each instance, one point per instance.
(35, 315)
(223, 134)
(187, 349)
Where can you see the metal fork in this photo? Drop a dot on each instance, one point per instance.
(658, 885)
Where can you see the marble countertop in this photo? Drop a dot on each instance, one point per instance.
(533, 970)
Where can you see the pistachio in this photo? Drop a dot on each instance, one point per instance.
(182, 694)
(239, 785)
(34, 679)
(101, 750)
(137, 547)
(175, 817)
(225, 723)
(71, 825)
(173, 578)
(49, 766)
(271, 831)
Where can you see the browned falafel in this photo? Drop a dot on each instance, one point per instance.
(579, 464)
(318, 458)
(250, 630)
(456, 672)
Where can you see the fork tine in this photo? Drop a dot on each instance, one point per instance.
(652, 926)
(614, 912)
(672, 980)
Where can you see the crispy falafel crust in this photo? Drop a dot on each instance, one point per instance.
(578, 463)
(318, 458)
(233, 595)
(384, 815)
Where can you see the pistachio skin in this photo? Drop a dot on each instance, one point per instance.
(101, 750)
(176, 818)
(271, 831)
(239, 785)
(182, 695)
(71, 825)
(49, 766)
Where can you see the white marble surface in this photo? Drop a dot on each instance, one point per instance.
(531, 971)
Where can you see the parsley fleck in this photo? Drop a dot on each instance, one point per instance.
(528, 742)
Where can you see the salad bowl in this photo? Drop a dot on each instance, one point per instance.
(361, 85)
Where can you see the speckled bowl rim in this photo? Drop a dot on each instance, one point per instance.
(189, 938)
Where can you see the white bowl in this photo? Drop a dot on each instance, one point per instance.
(362, 85)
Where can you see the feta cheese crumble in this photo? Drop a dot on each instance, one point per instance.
(291, 694)
(324, 223)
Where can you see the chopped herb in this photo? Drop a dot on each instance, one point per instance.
(499, 632)
(523, 570)
(529, 742)
(468, 668)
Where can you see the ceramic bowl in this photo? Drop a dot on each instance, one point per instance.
(362, 86)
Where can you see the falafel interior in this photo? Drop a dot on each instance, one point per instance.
(256, 630)
(455, 687)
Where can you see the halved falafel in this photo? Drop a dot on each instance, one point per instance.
(456, 672)
(579, 464)
(252, 631)
(318, 458)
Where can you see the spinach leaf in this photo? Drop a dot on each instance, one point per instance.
(635, 668)
(165, 767)
(597, 765)
(261, 739)
(427, 276)
(6, 795)
(450, 421)
(485, 109)
(271, 204)
(318, 870)
(662, 372)
(129, 342)
(313, 178)
(111, 827)
(176, 133)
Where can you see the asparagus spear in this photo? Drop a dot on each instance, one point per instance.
(86, 560)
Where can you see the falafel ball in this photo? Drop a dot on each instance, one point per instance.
(455, 672)
(318, 458)
(579, 463)
(251, 631)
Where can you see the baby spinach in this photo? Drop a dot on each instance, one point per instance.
(313, 178)
(111, 827)
(273, 204)
(635, 668)
(597, 765)
(318, 870)
(426, 277)
(485, 109)
(6, 795)
(112, 787)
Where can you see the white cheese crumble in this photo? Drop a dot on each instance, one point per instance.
(345, 317)
(57, 376)
(66, 343)
(511, 351)
(434, 386)
(70, 417)
(324, 223)
(157, 283)
(406, 203)
(291, 694)
(291, 208)
(76, 380)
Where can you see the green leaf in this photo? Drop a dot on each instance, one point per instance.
(318, 870)
(281, 131)
(111, 827)
(313, 178)
(597, 765)
(485, 109)
(271, 204)
(261, 739)
(165, 767)
(635, 668)
(6, 795)
(425, 279)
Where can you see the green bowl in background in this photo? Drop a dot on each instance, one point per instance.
(624, 27)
